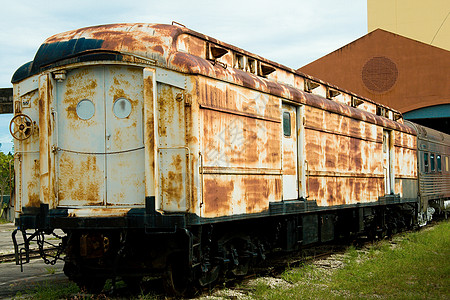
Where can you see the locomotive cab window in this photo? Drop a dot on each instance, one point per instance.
(432, 163)
(286, 123)
(425, 162)
(438, 163)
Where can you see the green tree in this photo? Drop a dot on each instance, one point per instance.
(6, 171)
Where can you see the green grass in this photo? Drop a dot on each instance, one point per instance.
(47, 291)
(418, 267)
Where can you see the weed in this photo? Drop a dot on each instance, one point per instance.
(413, 265)
(47, 291)
(50, 270)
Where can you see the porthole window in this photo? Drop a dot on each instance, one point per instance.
(85, 109)
(122, 108)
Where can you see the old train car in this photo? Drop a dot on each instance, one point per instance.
(158, 149)
(433, 168)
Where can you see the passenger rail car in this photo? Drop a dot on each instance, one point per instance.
(433, 153)
(158, 149)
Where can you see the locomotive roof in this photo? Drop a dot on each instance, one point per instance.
(158, 43)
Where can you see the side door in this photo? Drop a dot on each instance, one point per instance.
(80, 134)
(387, 163)
(290, 153)
(124, 137)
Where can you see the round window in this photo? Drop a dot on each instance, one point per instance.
(85, 109)
(122, 108)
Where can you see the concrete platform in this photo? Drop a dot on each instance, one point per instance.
(6, 244)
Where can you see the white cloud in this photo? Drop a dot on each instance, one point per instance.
(289, 32)
(256, 26)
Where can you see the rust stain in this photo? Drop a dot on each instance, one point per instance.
(236, 141)
(217, 197)
(80, 180)
(32, 189)
(80, 85)
(172, 186)
(257, 193)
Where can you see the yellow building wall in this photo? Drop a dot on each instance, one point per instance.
(424, 21)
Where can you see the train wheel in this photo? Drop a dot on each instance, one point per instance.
(177, 279)
(91, 285)
(133, 283)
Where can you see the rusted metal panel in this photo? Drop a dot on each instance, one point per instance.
(26, 152)
(344, 158)
(221, 95)
(237, 194)
(240, 142)
(46, 134)
(173, 155)
(149, 103)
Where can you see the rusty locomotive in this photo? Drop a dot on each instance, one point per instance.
(158, 149)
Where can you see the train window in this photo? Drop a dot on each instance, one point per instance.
(122, 108)
(425, 162)
(432, 163)
(446, 163)
(286, 123)
(85, 109)
(438, 163)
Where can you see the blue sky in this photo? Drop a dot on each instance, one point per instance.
(293, 33)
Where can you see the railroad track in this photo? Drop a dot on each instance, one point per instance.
(34, 254)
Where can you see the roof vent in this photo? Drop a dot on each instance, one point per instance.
(310, 85)
(331, 93)
(217, 52)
